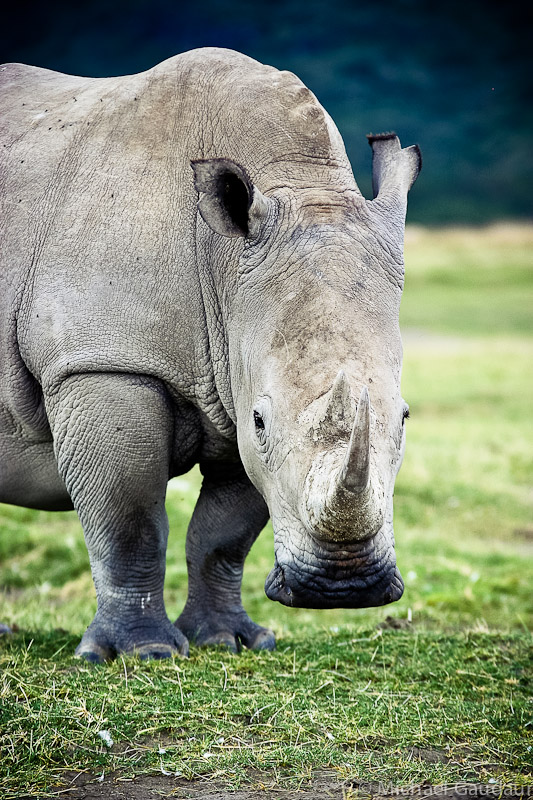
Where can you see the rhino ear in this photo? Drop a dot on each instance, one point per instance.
(394, 170)
(230, 203)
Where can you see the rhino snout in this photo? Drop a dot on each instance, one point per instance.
(334, 583)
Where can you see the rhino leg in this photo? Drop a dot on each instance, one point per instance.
(228, 517)
(112, 438)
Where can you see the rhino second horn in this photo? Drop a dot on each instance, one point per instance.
(340, 403)
(355, 471)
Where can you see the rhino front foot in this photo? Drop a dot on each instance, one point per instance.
(232, 630)
(156, 640)
(228, 517)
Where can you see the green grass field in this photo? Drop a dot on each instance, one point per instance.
(365, 693)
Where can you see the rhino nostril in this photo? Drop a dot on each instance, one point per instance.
(394, 590)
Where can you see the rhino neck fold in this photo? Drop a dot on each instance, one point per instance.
(213, 268)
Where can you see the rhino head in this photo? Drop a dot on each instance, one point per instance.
(311, 318)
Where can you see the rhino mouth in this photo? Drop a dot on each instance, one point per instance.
(292, 586)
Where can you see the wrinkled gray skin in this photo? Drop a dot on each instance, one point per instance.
(189, 273)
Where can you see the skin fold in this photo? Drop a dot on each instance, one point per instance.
(189, 274)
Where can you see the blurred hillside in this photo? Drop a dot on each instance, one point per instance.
(457, 77)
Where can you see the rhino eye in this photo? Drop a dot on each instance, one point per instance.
(262, 416)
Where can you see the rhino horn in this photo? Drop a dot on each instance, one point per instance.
(355, 471)
(345, 503)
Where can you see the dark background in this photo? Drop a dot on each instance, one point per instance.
(456, 77)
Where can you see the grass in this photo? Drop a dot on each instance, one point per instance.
(364, 693)
(366, 703)
(466, 282)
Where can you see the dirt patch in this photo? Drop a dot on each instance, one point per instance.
(524, 533)
(395, 623)
(323, 786)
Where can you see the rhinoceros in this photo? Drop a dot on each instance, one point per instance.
(190, 274)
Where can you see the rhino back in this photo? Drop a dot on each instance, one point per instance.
(100, 255)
